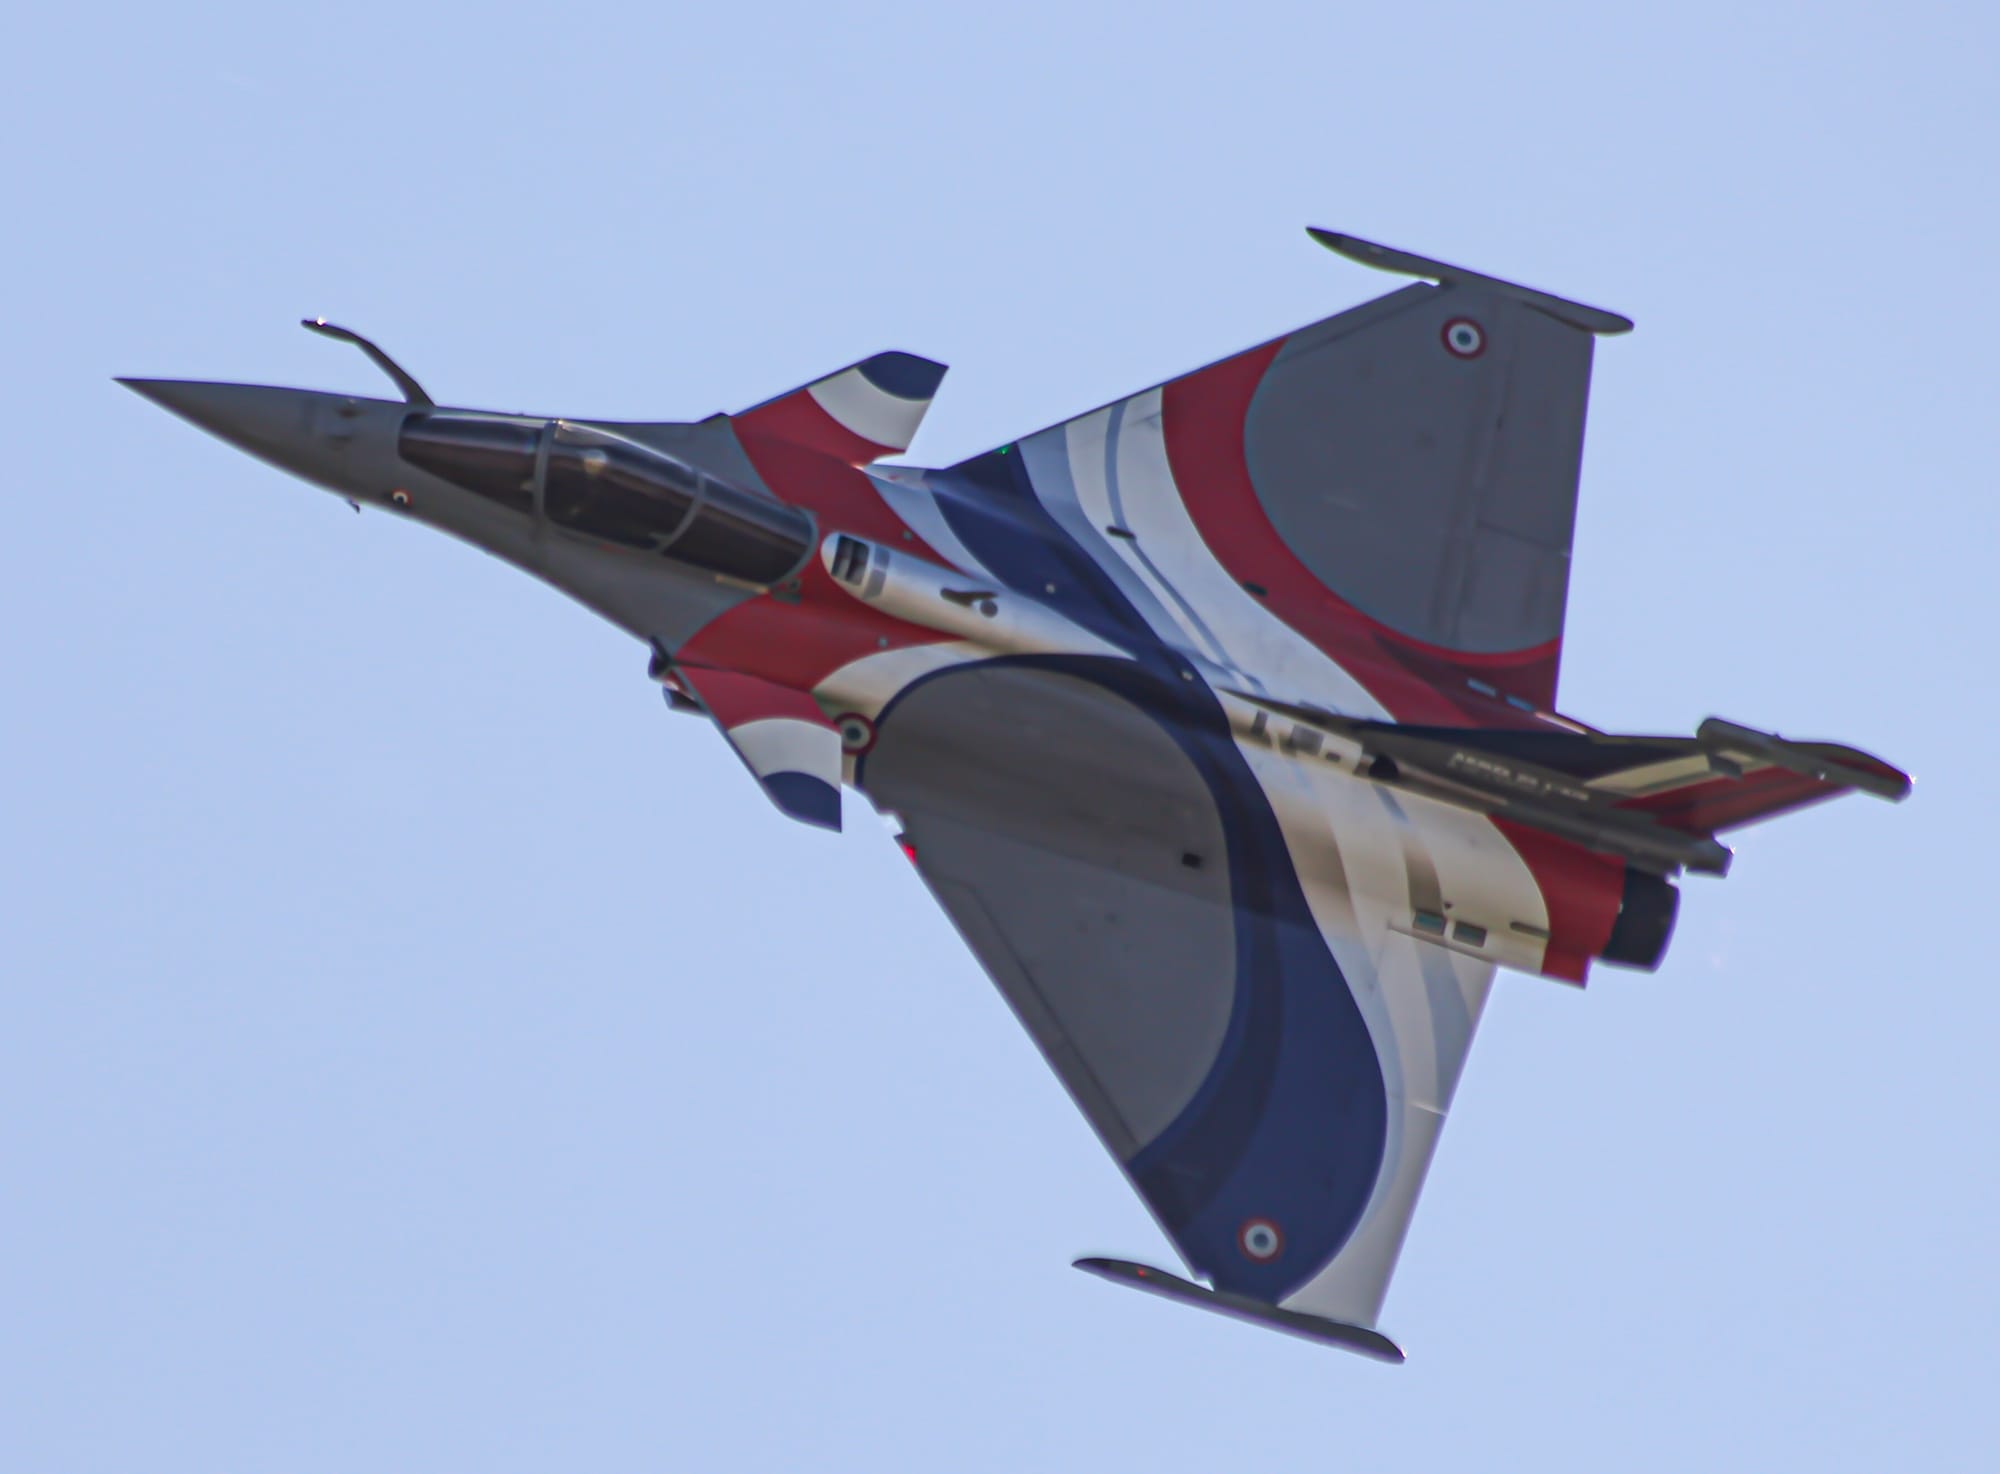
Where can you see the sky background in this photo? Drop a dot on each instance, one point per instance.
(419, 1050)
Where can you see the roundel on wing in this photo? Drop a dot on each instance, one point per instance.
(857, 733)
(1421, 474)
(1260, 1239)
(1463, 338)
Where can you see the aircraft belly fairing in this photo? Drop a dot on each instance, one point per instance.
(1218, 719)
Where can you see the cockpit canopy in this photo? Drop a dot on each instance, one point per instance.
(495, 458)
(608, 488)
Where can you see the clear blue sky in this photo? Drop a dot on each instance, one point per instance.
(420, 1051)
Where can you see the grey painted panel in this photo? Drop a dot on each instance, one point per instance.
(710, 444)
(1436, 492)
(1512, 584)
(348, 444)
(1052, 820)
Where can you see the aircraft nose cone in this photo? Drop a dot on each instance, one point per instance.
(253, 417)
(331, 439)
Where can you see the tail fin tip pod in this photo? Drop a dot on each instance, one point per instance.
(857, 414)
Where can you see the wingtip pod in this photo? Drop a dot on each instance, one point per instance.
(1358, 1339)
(1407, 263)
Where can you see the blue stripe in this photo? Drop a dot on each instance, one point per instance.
(1291, 1124)
(903, 374)
(806, 798)
(990, 504)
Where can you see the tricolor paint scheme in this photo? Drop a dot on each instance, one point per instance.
(1219, 719)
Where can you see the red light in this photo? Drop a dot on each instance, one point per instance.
(909, 850)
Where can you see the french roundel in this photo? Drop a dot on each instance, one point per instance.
(1261, 1240)
(857, 733)
(1464, 338)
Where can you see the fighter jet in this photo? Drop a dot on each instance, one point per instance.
(1220, 720)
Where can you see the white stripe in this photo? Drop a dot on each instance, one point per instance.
(1047, 460)
(1354, 850)
(909, 496)
(770, 745)
(1351, 1288)
(869, 684)
(1086, 447)
(1247, 635)
(872, 682)
(1669, 773)
(872, 413)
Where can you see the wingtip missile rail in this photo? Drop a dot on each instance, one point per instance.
(1328, 1332)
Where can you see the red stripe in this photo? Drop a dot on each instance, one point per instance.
(1583, 891)
(800, 645)
(842, 498)
(800, 419)
(734, 698)
(1202, 420)
(800, 642)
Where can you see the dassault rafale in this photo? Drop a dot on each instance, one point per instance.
(1221, 719)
